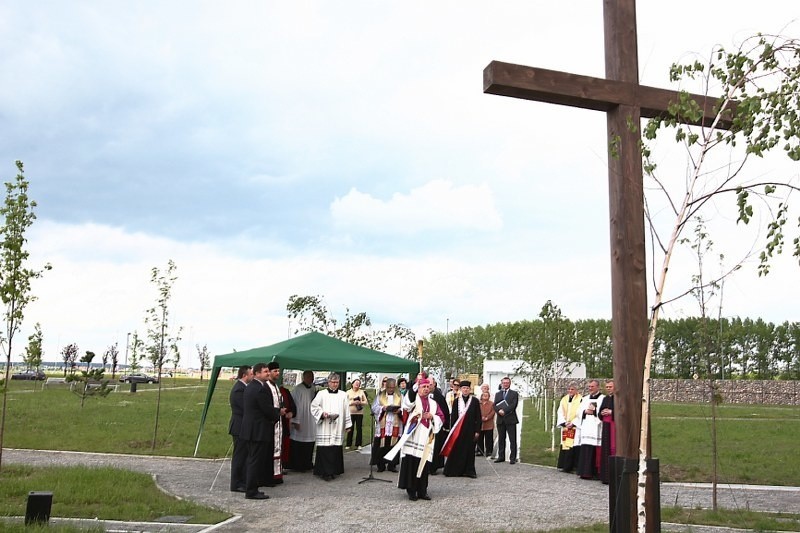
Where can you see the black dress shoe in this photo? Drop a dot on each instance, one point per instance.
(392, 469)
(499, 460)
(424, 497)
(434, 473)
(412, 498)
(257, 496)
(239, 489)
(513, 461)
(473, 476)
(381, 469)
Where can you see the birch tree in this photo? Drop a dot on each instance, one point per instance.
(759, 107)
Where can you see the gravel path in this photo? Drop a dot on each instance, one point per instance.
(505, 497)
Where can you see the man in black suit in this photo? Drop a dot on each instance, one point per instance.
(505, 405)
(239, 457)
(258, 429)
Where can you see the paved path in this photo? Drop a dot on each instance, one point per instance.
(506, 497)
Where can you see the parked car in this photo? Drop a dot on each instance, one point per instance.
(138, 378)
(30, 375)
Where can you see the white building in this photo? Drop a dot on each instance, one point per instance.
(495, 370)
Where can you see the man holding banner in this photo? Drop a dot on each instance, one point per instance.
(425, 419)
(465, 421)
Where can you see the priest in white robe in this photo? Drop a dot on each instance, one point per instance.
(386, 413)
(591, 432)
(331, 413)
(303, 427)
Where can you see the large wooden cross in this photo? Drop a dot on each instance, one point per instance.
(625, 103)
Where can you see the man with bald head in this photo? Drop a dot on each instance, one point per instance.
(332, 416)
(591, 432)
(388, 424)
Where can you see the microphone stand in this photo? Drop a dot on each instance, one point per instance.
(370, 477)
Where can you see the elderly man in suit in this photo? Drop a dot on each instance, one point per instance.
(505, 405)
(258, 429)
(239, 457)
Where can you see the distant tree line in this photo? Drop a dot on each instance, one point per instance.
(730, 348)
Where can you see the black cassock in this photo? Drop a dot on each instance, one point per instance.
(438, 460)
(609, 438)
(461, 461)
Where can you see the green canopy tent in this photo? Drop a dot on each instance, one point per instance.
(312, 351)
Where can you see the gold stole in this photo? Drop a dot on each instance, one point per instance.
(383, 399)
(570, 410)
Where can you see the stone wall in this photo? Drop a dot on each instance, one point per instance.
(697, 390)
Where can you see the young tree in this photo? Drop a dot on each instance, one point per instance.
(707, 340)
(88, 359)
(137, 347)
(759, 110)
(175, 358)
(113, 353)
(15, 277)
(33, 352)
(89, 383)
(69, 354)
(157, 320)
(205, 359)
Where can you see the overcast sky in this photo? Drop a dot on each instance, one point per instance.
(343, 149)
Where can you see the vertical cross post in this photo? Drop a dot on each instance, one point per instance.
(628, 271)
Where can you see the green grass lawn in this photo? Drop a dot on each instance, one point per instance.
(121, 422)
(107, 493)
(682, 442)
(740, 519)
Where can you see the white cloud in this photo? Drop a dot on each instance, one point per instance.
(99, 288)
(435, 206)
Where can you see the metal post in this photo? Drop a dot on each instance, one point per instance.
(127, 344)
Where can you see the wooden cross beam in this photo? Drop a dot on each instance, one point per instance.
(587, 92)
(625, 102)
